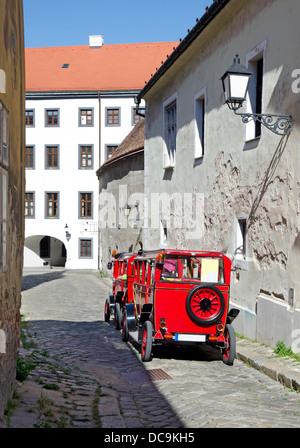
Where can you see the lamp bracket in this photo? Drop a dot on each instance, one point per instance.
(279, 124)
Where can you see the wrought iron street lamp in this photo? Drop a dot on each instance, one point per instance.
(235, 85)
(126, 209)
(68, 235)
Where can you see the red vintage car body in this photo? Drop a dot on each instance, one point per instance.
(123, 276)
(122, 290)
(180, 297)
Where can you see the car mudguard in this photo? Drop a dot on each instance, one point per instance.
(131, 319)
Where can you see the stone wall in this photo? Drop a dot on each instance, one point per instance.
(121, 183)
(12, 100)
(240, 178)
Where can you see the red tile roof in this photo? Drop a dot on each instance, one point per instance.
(112, 67)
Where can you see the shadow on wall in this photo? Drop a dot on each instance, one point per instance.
(267, 178)
(41, 250)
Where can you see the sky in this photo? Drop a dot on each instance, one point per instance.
(51, 23)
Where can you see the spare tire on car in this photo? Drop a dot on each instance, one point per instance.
(205, 304)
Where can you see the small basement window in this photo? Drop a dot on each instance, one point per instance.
(241, 238)
(163, 233)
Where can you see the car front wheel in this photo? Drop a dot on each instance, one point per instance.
(229, 353)
(146, 343)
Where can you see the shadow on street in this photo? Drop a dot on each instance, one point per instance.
(32, 280)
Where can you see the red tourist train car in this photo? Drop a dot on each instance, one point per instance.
(122, 287)
(180, 297)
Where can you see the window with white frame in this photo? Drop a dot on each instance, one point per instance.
(86, 205)
(29, 117)
(112, 116)
(52, 156)
(86, 117)
(136, 118)
(29, 157)
(29, 205)
(86, 157)
(170, 132)
(85, 248)
(199, 124)
(255, 62)
(52, 205)
(163, 233)
(52, 117)
(109, 150)
(240, 252)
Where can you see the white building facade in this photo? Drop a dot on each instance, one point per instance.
(61, 186)
(70, 132)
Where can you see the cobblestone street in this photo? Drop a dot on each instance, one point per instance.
(86, 376)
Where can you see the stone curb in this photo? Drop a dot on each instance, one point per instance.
(106, 280)
(262, 358)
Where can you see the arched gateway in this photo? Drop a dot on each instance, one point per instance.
(41, 250)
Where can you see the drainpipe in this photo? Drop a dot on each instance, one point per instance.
(99, 239)
(137, 103)
(99, 100)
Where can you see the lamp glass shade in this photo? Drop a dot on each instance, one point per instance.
(126, 210)
(235, 84)
(238, 87)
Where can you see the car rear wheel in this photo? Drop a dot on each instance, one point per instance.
(125, 333)
(146, 343)
(118, 316)
(229, 353)
(205, 305)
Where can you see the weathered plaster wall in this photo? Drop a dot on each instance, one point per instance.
(13, 97)
(257, 179)
(121, 183)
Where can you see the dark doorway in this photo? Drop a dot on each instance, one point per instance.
(63, 251)
(45, 247)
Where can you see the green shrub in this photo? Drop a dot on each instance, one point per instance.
(24, 367)
(281, 350)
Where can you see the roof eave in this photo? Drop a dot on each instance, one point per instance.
(109, 162)
(80, 93)
(209, 15)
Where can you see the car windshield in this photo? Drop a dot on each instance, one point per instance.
(205, 269)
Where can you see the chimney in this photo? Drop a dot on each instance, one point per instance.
(96, 41)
